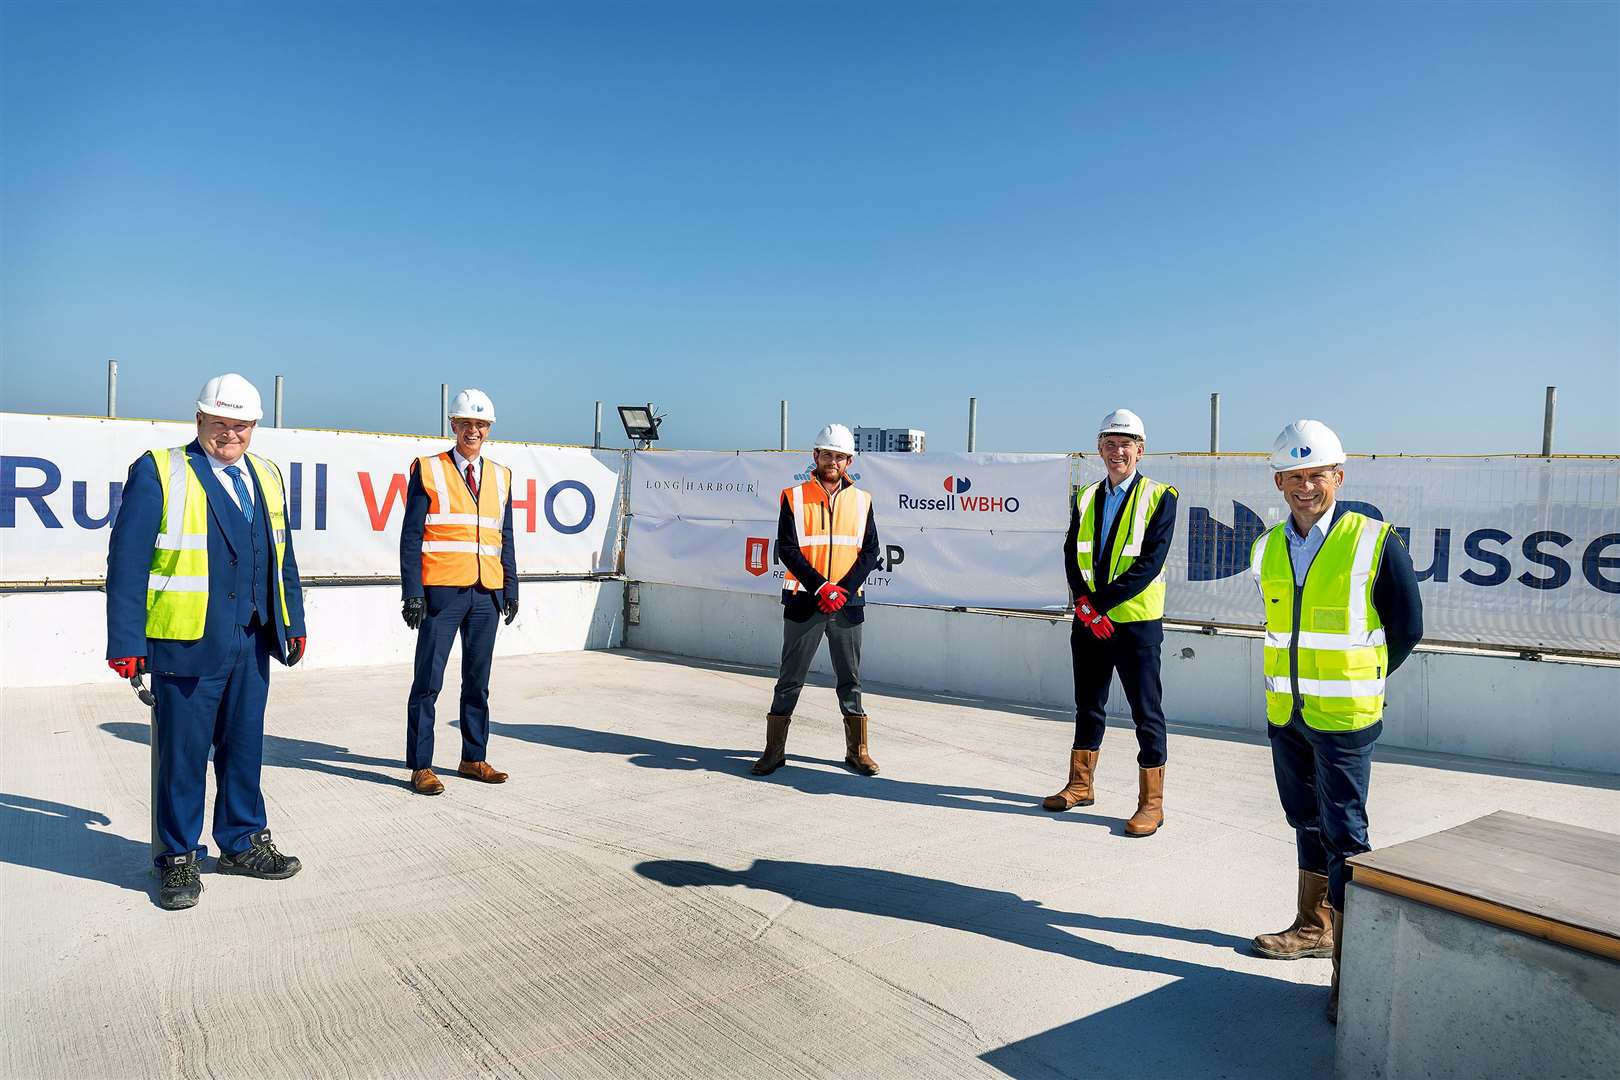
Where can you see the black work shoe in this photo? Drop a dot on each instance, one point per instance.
(180, 885)
(260, 860)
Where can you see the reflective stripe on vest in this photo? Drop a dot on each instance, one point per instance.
(461, 536)
(1324, 649)
(830, 532)
(177, 578)
(1130, 526)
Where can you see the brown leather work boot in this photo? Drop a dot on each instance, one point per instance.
(775, 755)
(1149, 816)
(423, 782)
(855, 755)
(1082, 767)
(1338, 947)
(1312, 932)
(480, 770)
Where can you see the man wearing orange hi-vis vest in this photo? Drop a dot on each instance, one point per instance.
(459, 573)
(827, 541)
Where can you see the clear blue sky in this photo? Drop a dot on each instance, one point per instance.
(1401, 218)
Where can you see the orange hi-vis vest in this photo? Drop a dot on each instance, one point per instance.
(461, 539)
(830, 531)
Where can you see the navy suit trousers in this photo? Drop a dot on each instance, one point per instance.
(1133, 651)
(222, 711)
(474, 614)
(1322, 780)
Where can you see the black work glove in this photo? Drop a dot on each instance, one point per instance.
(296, 647)
(511, 611)
(415, 609)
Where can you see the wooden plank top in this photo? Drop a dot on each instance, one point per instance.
(1542, 868)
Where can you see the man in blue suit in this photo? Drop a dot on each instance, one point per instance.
(202, 589)
(458, 572)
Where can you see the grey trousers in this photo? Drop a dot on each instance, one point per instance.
(799, 643)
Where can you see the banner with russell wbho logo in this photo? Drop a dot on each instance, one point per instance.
(1512, 551)
(984, 530)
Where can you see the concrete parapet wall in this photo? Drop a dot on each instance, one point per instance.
(1561, 714)
(59, 638)
(1430, 994)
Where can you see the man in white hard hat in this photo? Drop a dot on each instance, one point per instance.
(458, 570)
(827, 541)
(1342, 613)
(1120, 532)
(202, 589)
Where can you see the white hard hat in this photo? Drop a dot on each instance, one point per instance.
(1122, 422)
(472, 404)
(230, 396)
(1306, 444)
(836, 437)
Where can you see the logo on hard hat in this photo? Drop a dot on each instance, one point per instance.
(956, 485)
(1300, 452)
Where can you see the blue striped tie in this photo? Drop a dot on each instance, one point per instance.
(243, 499)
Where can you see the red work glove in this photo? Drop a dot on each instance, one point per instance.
(828, 598)
(295, 649)
(1100, 625)
(128, 666)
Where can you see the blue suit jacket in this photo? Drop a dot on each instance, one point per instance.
(129, 561)
(410, 547)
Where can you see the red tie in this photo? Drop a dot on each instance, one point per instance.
(472, 481)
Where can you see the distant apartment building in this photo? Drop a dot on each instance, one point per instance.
(890, 440)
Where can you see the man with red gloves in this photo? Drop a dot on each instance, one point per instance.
(202, 589)
(1120, 531)
(827, 541)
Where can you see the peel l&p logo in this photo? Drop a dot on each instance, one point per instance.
(757, 555)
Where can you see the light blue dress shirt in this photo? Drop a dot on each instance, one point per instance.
(1113, 499)
(1302, 549)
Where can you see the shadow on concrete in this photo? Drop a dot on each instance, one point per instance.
(1211, 1021)
(1386, 754)
(71, 840)
(286, 753)
(657, 754)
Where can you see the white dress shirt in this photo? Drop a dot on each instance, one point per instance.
(225, 481)
(462, 463)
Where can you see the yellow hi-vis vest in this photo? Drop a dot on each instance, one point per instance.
(177, 581)
(1325, 648)
(1130, 526)
(461, 539)
(830, 531)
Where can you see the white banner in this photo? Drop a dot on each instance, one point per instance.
(936, 567)
(1508, 550)
(981, 530)
(61, 479)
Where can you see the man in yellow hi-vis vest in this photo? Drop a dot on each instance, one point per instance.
(826, 539)
(458, 570)
(1120, 531)
(1342, 613)
(202, 589)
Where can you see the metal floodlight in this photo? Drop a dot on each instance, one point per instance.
(640, 423)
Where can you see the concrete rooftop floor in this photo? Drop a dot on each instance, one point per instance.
(633, 903)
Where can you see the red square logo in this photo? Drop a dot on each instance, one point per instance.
(757, 555)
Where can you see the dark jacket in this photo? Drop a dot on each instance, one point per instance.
(1161, 531)
(410, 545)
(230, 585)
(799, 606)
